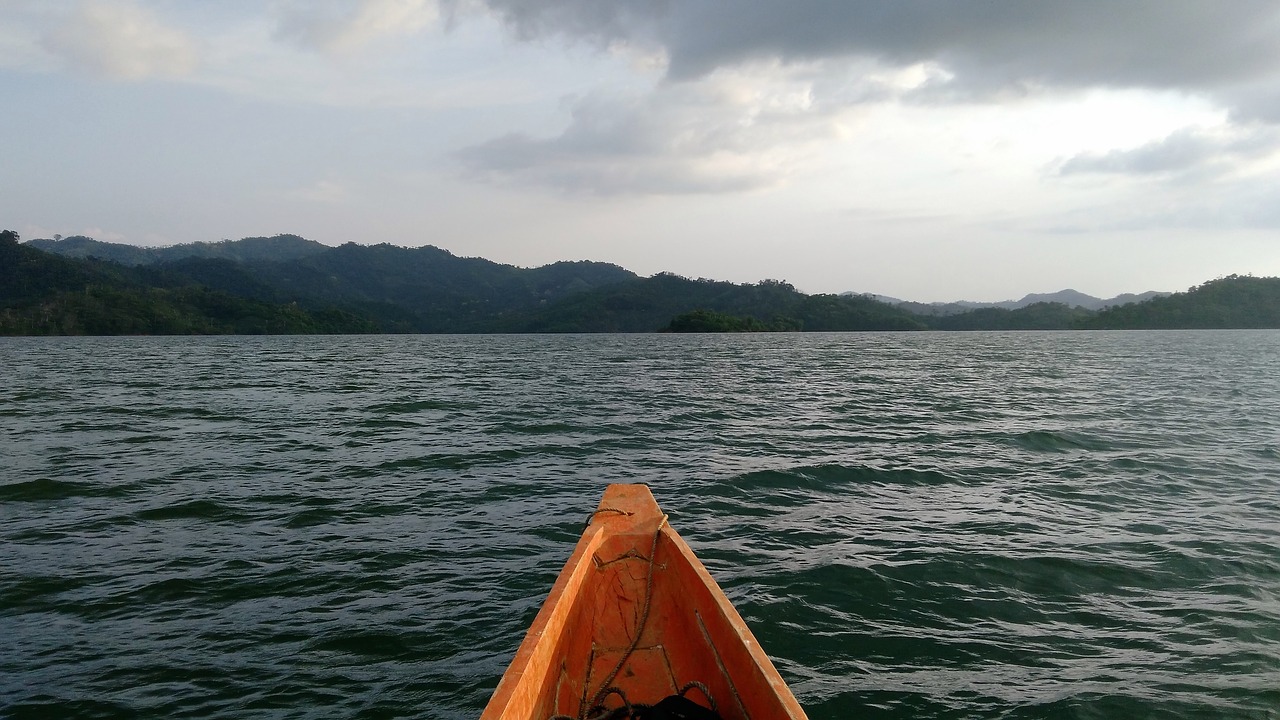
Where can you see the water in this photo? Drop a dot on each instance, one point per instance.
(1074, 525)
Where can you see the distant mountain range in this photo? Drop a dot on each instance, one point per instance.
(251, 249)
(288, 284)
(1070, 298)
(282, 248)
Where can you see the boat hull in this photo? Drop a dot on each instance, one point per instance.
(634, 609)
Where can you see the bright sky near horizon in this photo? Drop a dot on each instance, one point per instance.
(923, 149)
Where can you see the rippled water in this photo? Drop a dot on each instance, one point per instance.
(984, 525)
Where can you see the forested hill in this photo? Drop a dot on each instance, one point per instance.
(44, 294)
(252, 249)
(1233, 302)
(427, 289)
(396, 289)
(648, 304)
(288, 284)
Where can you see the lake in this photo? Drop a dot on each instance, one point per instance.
(915, 525)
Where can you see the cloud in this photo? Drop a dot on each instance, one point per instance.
(121, 40)
(602, 23)
(733, 131)
(989, 46)
(344, 26)
(841, 55)
(1198, 150)
(1243, 202)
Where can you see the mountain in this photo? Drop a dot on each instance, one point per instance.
(1076, 299)
(1069, 298)
(439, 291)
(401, 289)
(1036, 316)
(1130, 298)
(1232, 302)
(649, 304)
(79, 246)
(427, 289)
(287, 284)
(45, 294)
(277, 248)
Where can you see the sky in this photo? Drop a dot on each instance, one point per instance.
(929, 150)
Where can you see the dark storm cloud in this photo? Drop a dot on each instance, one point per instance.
(988, 44)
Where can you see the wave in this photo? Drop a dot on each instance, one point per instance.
(829, 477)
(1055, 441)
(193, 510)
(49, 489)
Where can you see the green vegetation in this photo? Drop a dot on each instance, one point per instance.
(428, 289)
(44, 294)
(1234, 301)
(1037, 316)
(710, 321)
(648, 304)
(107, 310)
(287, 284)
(276, 249)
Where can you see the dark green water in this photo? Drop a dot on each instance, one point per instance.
(1076, 525)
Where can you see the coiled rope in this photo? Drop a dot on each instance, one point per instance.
(630, 710)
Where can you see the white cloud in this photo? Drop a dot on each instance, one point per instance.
(121, 40)
(736, 129)
(20, 43)
(345, 26)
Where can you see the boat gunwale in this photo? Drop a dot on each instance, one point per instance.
(534, 655)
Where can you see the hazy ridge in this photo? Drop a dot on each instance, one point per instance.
(1068, 297)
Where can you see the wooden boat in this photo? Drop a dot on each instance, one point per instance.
(634, 619)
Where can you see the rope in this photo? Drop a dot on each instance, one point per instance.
(631, 711)
(644, 618)
(705, 691)
(593, 515)
(602, 712)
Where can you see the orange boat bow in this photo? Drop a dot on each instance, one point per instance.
(587, 626)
